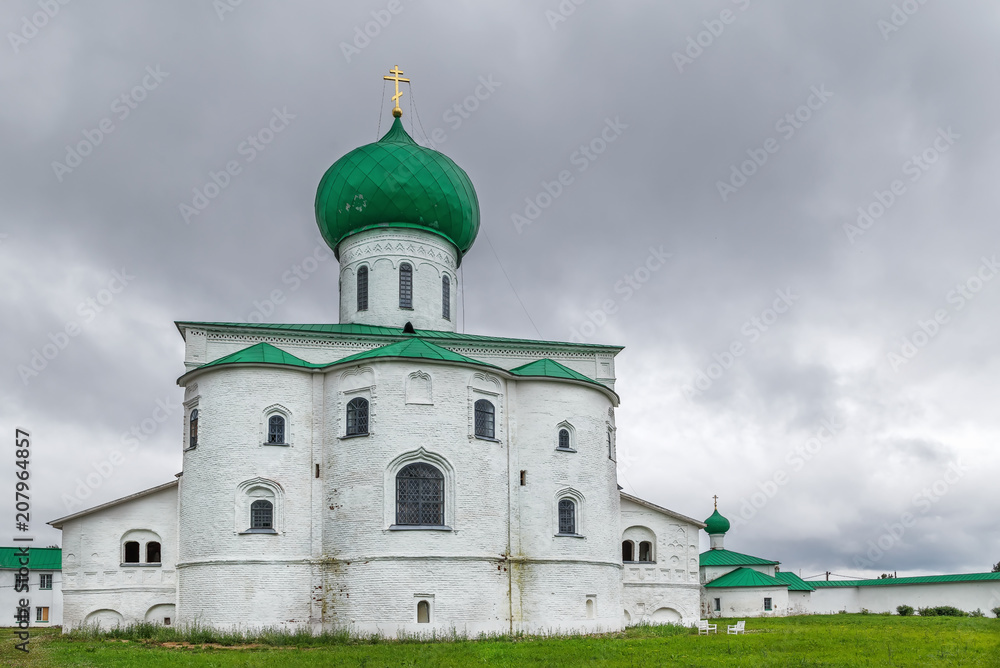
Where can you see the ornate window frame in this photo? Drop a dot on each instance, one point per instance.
(141, 537)
(190, 406)
(251, 490)
(272, 411)
(420, 455)
(489, 387)
(565, 424)
(579, 519)
(354, 383)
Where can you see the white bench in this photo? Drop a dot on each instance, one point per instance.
(704, 628)
(737, 628)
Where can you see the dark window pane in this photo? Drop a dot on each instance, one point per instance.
(645, 550)
(420, 495)
(563, 438)
(152, 552)
(567, 516)
(405, 286)
(446, 298)
(193, 434)
(276, 429)
(261, 515)
(363, 289)
(627, 551)
(357, 416)
(131, 552)
(485, 424)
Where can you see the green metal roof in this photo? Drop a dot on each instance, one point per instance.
(39, 558)
(922, 579)
(745, 577)
(395, 182)
(794, 582)
(262, 353)
(546, 368)
(415, 348)
(716, 524)
(728, 558)
(353, 329)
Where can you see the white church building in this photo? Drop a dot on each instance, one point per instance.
(388, 473)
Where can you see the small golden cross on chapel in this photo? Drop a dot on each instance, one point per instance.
(716, 498)
(395, 71)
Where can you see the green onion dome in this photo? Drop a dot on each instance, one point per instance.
(716, 524)
(395, 182)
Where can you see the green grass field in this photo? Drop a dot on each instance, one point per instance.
(837, 640)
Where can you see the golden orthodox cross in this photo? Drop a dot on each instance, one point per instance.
(395, 71)
(716, 498)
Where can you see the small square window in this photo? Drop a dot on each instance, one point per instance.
(45, 581)
(767, 604)
(718, 604)
(41, 614)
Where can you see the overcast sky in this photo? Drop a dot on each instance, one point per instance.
(740, 138)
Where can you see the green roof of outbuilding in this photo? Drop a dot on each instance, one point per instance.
(729, 558)
(920, 579)
(353, 329)
(794, 582)
(39, 558)
(395, 182)
(745, 577)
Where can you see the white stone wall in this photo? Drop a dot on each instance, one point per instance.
(266, 579)
(968, 596)
(665, 590)
(382, 251)
(97, 585)
(745, 602)
(38, 598)
(799, 602)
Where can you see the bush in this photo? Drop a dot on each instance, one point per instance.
(996, 611)
(942, 611)
(976, 613)
(904, 610)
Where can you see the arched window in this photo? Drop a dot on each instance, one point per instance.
(363, 289)
(152, 552)
(485, 422)
(423, 612)
(567, 516)
(357, 416)
(131, 552)
(193, 429)
(645, 551)
(420, 495)
(276, 429)
(627, 554)
(446, 297)
(405, 286)
(564, 439)
(261, 514)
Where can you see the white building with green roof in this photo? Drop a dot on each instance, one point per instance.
(388, 473)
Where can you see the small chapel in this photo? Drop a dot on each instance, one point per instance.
(388, 473)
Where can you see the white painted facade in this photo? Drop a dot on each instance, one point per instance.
(968, 596)
(43, 602)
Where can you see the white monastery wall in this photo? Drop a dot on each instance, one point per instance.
(967, 596)
(97, 586)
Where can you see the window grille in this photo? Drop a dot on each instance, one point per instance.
(446, 298)
(363, 289)
(420, 495)
(45, 581)
(405, 286)
(485, 419)
(357, 416)
(276, 429)
(193, 433)
(261, 515)
(567, 516)
(564, 439)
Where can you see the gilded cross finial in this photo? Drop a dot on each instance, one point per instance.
(716, 498)
(395, 71)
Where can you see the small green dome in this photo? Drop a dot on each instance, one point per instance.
(716, 524)
(395, 182)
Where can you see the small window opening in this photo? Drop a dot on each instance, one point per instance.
(317, 470)
(357, 417)
(645, 551)
(363, 289)
(276, 430)
(564, 439)
(131, 552)
(485, 419)
(152, 552)
(767, 604)
(627, 551)
(261, 515)
(524, 478)
(166, 621)
(718, 604)
(446, 297)
(193, 429)
(567, 516)
(405, 286)
(423, 612)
